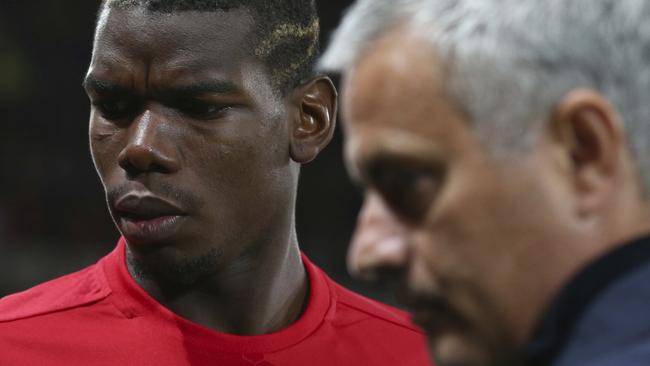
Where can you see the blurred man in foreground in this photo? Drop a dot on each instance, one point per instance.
(202, 113)
(505, 150)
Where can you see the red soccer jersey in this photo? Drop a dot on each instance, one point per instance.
(100, 316)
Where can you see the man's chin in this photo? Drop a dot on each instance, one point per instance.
(172, 266)
(458, 349)
(452, 349)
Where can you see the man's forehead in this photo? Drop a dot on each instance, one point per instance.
(184, 42)
(190, 30)
(396, 104)
(148, 52)
(398, 80)
(168, 6)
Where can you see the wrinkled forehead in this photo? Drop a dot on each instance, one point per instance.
(186, 37)
(395, 104)
(400, 76)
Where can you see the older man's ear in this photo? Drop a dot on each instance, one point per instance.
(590, 132)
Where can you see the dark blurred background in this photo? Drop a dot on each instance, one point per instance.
(53, 218)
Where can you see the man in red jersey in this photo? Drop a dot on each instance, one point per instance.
(202, 113)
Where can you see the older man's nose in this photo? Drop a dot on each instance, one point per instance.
(379, 245)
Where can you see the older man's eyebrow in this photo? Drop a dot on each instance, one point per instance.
(362, 171)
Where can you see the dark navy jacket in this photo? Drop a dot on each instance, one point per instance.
(602, 317)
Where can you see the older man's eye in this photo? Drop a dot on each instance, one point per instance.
(409, 193)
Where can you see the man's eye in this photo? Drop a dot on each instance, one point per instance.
(201, 109)
(409, 193)
(114, 109)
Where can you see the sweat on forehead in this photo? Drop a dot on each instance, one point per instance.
(286, 36)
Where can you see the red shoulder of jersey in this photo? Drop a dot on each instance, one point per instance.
(367, 308)
(67, 292)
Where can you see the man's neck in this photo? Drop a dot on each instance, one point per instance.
(255, 294)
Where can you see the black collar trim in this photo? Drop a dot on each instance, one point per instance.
(561, 316)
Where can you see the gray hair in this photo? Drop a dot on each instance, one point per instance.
(511, 61)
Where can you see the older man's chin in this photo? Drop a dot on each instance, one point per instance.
(463, 350)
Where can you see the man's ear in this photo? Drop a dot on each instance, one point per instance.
(591, 133)
(315, 119)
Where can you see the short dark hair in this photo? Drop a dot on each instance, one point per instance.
(286, 36)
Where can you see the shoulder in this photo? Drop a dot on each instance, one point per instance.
(372, 309)
(353, 308)
(614, 327)
(379, 331)
(67, 292)
(636, 354)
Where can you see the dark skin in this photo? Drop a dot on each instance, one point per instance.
(199, 157)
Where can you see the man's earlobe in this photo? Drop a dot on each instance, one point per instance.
(314, 124)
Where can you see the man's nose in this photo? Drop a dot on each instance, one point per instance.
(149, 147)
(379, 244)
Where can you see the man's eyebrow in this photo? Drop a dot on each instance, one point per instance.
(92, 83)
(370, 164)
(360, 171)
(387, 158)
(203, 87)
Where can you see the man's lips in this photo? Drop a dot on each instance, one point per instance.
(144, 208)
(147, 218)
